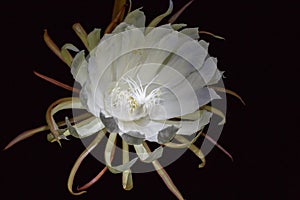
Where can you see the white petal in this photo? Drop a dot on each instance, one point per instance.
(206, 95)
(103, 71)
(176, 101)
(187, 56)
(175, 71)
(146, 127)
(119, 28)
(204, 44)
(183, 99)
(210, 72)
(79, 68)
(193, 52)
(160, 45)
(88, 100)
(190, 127)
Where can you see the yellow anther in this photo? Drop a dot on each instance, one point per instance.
(132, 103)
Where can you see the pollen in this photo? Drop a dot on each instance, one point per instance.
(132, 103)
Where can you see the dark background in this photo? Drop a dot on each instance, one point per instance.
(250, 57)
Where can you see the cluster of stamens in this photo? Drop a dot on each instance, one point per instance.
(135, 96)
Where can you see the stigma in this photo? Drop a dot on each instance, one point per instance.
(133, 100)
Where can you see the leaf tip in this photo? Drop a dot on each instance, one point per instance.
(5, 148)
(221, 123)
(78, 193)
(59, 143)
(201, 165)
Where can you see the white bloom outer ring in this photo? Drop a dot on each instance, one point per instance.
(205, 146)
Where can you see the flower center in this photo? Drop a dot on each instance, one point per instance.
(132, 100)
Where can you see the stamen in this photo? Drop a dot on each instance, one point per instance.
(135, 97)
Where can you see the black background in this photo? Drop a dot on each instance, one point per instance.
(250, 57)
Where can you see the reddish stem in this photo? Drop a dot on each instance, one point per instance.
(93, 181)
(52, 46)
(178, 13)
(25, 135)
(55, 82)
(115, 21)
(217, 145)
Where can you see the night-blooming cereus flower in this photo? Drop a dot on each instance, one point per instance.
(144, 83)
(137, 78)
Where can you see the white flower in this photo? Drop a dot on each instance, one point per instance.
(137, 79)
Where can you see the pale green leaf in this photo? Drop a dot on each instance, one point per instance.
(70, 47)
(78, 162)
(93, 38)
(84, 128)
(109, 151)
(127, 181)
(136, 18)
(67, 103)
(67, 57)
(70, 128)
(220, 89)
(81, 33)
(123, 167)
(191, 32)
(147, 157)
(194, 149)
(158, 19)
(182, 145)
(217, 112)
(65, 132)
(176, 27)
